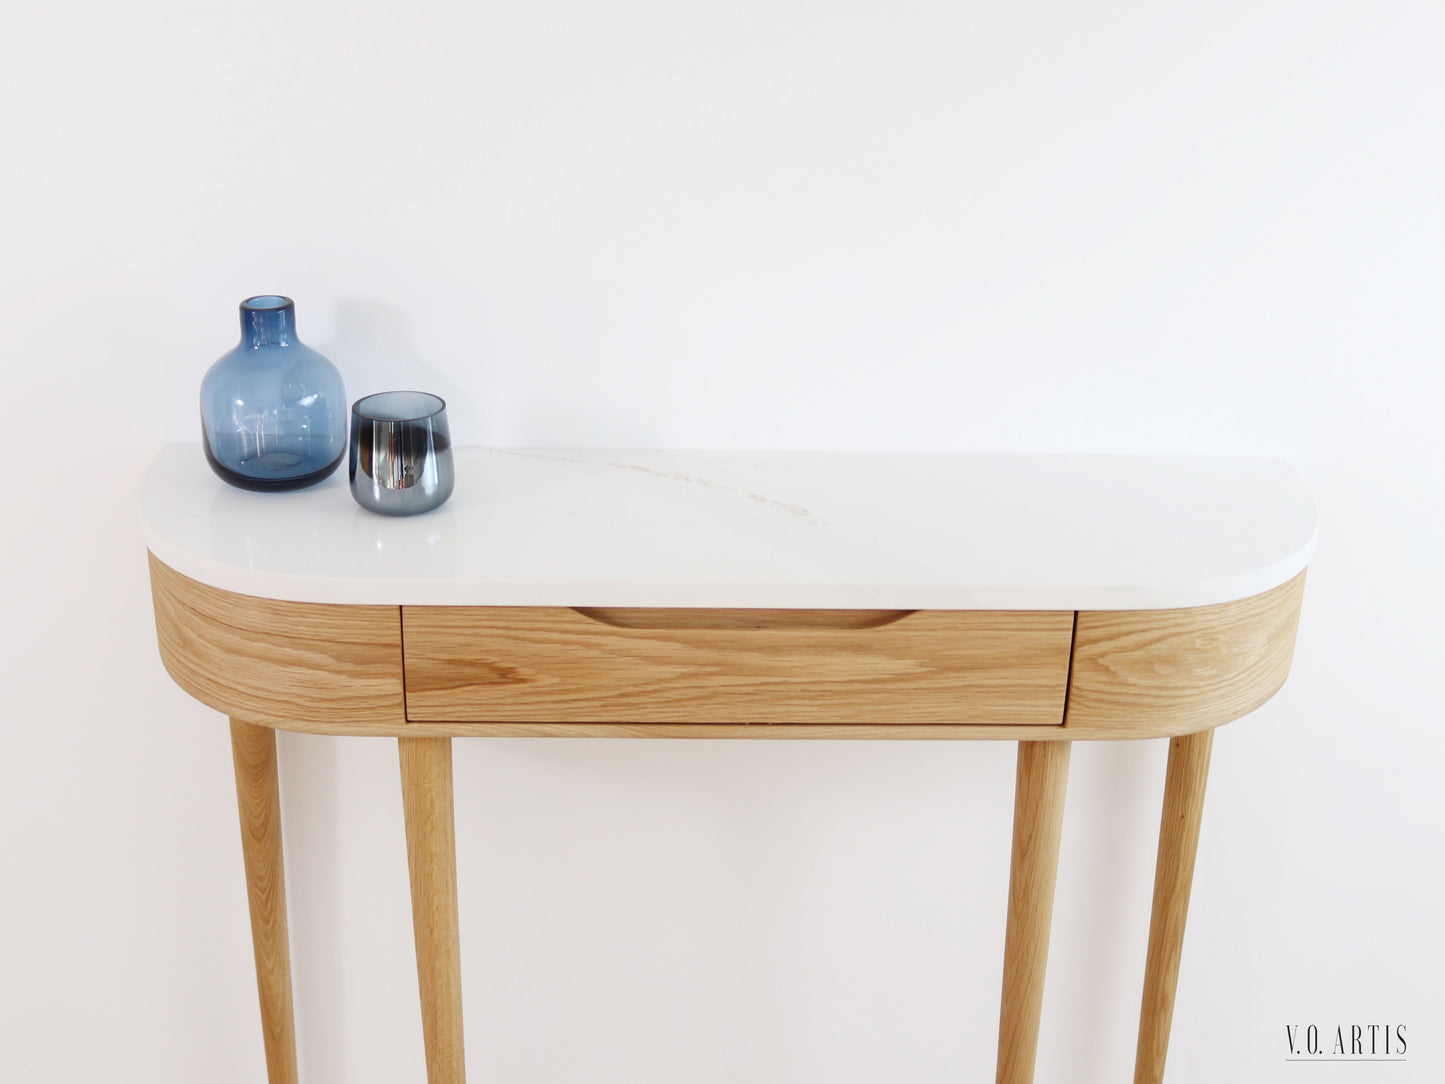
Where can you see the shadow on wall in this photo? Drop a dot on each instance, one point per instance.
(374, 345)
(375, 348)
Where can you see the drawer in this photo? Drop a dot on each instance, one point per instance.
(559, 665)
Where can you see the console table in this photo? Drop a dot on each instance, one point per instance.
(1036, 599)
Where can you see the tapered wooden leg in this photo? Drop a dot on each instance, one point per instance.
(426, 788)
(1043, 775)
(1173, 872)
(253, 749)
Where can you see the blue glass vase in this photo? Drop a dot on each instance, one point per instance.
(273, 411)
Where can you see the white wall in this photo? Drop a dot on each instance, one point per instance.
(1099, 226)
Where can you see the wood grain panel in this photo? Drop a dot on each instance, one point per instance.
(555, 665)
(277, 663)
(1143, 672)
(880, 674)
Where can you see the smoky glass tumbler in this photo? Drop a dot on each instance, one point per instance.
(401, 453)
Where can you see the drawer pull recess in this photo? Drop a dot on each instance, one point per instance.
(621, 617)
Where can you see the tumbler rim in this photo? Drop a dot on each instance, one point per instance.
(360, 410)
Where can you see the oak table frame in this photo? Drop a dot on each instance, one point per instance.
(1043, 677)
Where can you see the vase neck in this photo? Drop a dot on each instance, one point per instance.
(269, 320)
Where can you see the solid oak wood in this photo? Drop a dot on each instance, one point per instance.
(1184, 783)
(623, 617)
(1043, 775)
(275, 663)
(338, 670)
(555, 665)
(1180, 671)
(1043, 679)
(253, 751)
(426, 788)
(739, 731)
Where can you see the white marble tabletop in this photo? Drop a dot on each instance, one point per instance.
(541, 527)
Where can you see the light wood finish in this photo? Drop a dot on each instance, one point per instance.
(1179, 671)
(729, 731)
(1184, 782)
(274, 663)
(738, 731)
(338, 670)
(1043, 775)
(554, 665)
(253, 751)
(426, 788)
(662, 618)
(869, 674)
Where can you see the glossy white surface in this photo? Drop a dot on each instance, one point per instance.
(756, 529)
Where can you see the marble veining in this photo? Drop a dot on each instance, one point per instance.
(588, 528)
(688, 479)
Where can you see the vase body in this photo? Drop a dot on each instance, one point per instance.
(273, 411)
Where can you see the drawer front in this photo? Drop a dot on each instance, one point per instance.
(557, 665)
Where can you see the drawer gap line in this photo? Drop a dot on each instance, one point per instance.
(1069, 678)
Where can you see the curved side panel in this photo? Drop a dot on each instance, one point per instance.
(291, 665)
(1143, 673)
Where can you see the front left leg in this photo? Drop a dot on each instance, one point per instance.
(426, 789)
(1043, 775)
(258, 797)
